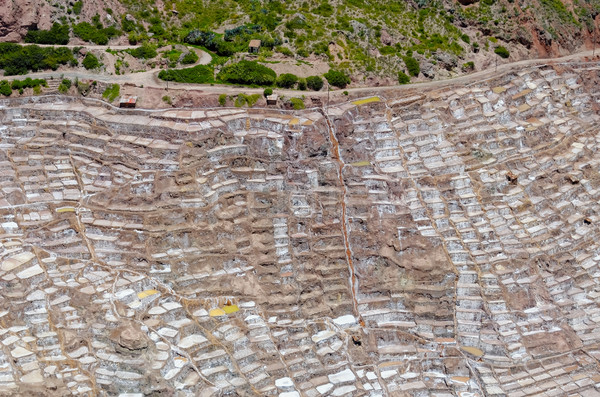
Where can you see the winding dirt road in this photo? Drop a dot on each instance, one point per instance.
(150, 79)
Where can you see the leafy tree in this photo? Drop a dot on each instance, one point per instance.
(91, 61)
(267, 92)
(222, 99)
(337, 78)
(315, 83)
(403, 78)
(302, 84)
(77, 7)
(412, 65)
(58, 34)
(502, 51)
(286, 80)
(5, 88)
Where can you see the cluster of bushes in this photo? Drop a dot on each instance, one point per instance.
(189, 58)
(17, 59)
(337, 78)
(241, 31)
(95, 33)
(64, 86)
(200, 74)
(91, 61)
(111, 92)
(289, 80)
(234, 40)
(248, 73)
(28, 83)
(58, 34)
(144, 51)
(6, 87)
(211, 41)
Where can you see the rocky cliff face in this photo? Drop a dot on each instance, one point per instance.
(18, 16)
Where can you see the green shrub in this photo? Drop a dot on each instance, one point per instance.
(324, 9)
(17, 59)
(189, 58)
(285, 51)
(64, 86)
(111, 92)
(77, 7)
(247, 72)
(5, 88)
(465, 37)
(315, 83)
(200, 74)
(91, 61)
(222, 99)
(242, 99)
(167, 99)
(387, 50)
(133, 38)
(58, 34)
(468, 66)
(83, 88)
(144, 51)
(412, 65)
(502, 52)
(286, 80)
(127, 25)
(297, 103)
(337, 78)
(302, 84)
(267, 92)
(403, 78)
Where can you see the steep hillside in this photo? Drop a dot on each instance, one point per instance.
(368, 39)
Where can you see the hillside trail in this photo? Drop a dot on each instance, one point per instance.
(149, 79)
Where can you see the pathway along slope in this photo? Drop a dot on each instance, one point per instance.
(149, 79)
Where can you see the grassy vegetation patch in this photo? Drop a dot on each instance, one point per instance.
(248, 73)
(201, 74)
(111, 92)
(95, 33)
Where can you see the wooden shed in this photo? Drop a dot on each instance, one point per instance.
(127, 101)
(272, 99)
(254, 46)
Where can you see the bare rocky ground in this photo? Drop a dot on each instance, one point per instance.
(432, 243)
